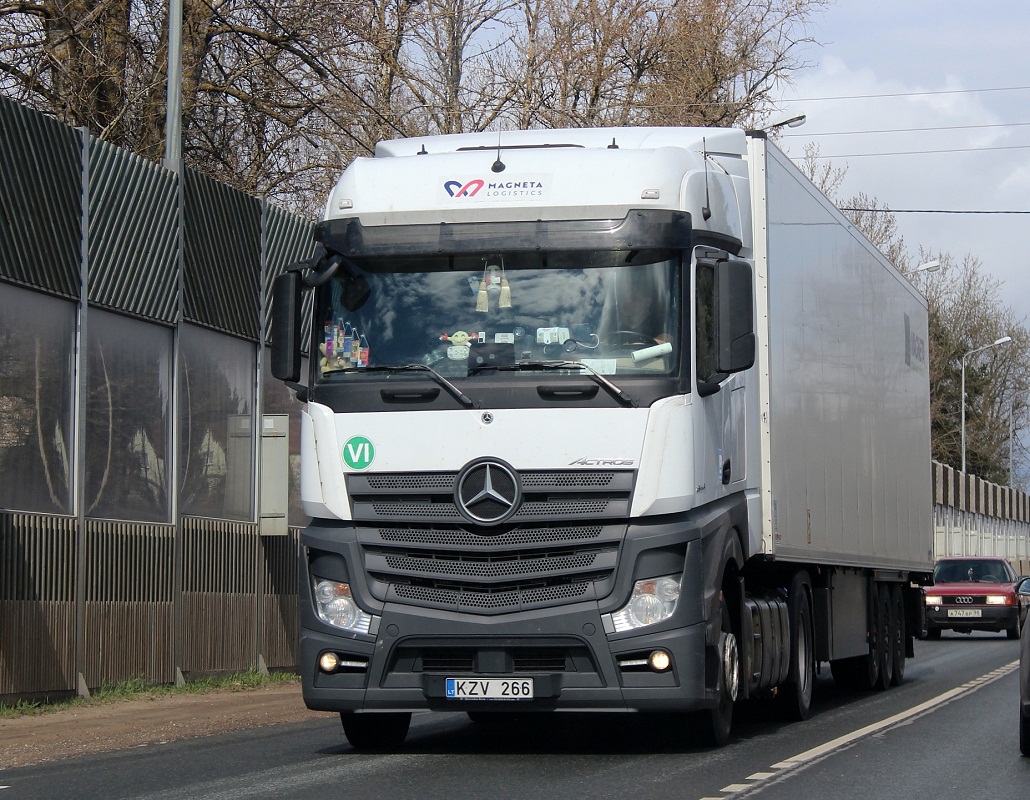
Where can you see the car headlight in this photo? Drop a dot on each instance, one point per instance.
(336, 607)
(998, 600)
(653, 600)
(934, 600)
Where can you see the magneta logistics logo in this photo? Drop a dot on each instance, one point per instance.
(526, 187)
(459, 189)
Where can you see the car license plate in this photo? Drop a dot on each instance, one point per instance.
(490, 688)
(964, 613)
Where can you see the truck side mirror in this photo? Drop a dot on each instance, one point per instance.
(286, 326)
(735, 347)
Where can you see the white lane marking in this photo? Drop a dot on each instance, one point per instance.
(807, 757)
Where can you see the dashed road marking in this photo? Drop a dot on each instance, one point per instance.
(801, 759)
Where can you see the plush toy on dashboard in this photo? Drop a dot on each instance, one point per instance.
(459, 344)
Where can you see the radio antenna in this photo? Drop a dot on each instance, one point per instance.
(706, 209)
(498, 165)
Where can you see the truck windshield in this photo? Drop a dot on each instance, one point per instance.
(616, 320)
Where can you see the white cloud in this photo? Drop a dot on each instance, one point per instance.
(920, 49)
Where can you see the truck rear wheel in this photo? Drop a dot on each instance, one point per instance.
(885, 629)
(375, 731)
(794, 698)
(899, 634)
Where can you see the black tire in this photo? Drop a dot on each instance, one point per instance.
(1024, 734)
(899, 635)
(933, 633)
(375, 731)
(794, 698)
(1014, 631)
(885, 627)
(715, 724)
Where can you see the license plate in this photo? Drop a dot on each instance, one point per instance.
(965, 613)
(490, 688)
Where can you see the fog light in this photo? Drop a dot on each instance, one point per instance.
(329, 662)
(659, 661)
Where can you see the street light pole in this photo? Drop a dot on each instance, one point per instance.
(1002, 340)
(173, 107)
(1011, 482)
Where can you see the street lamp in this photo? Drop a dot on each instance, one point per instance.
(995, 343)
(792, 121)
(929, 266)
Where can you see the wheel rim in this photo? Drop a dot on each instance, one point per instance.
(804, 660)
(730, 666)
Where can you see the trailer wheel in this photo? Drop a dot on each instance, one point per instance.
(715, 724)
(885, 628)
(375, 731)
(899, 633)
(794, 698)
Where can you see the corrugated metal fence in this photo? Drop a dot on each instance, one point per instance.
(107, 570)
(975, 518)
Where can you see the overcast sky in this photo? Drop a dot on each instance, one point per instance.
(940, 64)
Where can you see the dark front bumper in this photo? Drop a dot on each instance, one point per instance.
(574, 664)
(992, 618)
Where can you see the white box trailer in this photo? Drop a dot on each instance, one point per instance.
(618, 419)
(845, 431)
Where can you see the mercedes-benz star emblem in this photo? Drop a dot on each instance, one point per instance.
(488, 492)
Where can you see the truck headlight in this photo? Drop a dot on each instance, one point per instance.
(336, 607)
(653, 600)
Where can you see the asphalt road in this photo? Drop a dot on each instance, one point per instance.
(949, 733)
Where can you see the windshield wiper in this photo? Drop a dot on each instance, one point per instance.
(451, 389)
(596, 376)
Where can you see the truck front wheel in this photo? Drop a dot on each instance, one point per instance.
(375, 731)
(717, 722)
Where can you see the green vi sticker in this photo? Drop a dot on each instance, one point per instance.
(359, 452)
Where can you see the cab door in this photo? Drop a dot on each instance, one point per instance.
(723, 351)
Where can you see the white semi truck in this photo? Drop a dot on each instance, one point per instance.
(613, 420)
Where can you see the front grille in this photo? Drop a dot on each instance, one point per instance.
(505, 599)
(563, 656)
(547, 495)
(560, 545)
(964, 600)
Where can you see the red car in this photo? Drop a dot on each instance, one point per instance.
(973, 593)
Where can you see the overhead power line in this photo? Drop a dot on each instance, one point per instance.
(909, 130)
(924, 152)
(907, 94)
(928, 211)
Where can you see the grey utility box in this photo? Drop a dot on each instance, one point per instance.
(275, 475)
